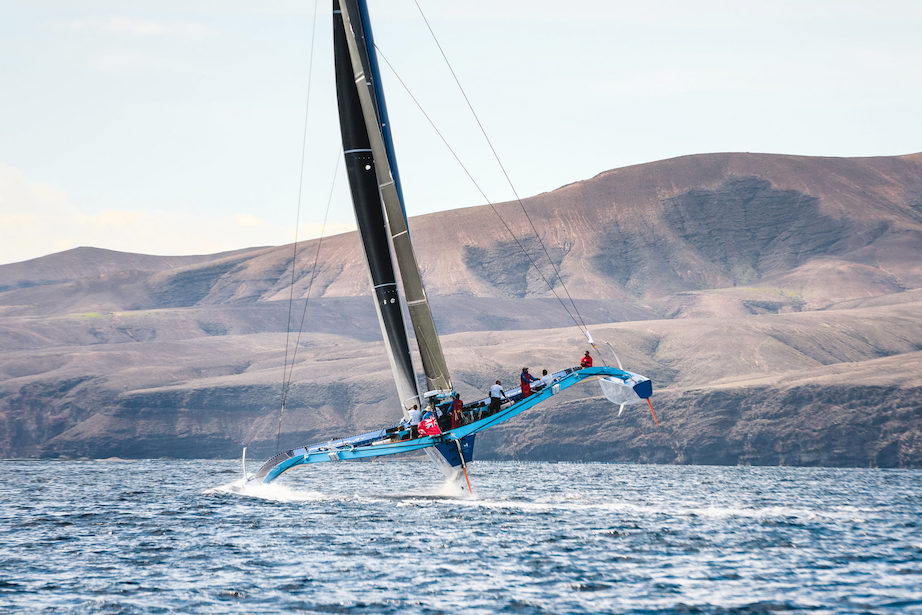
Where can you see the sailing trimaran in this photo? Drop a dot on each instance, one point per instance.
(382, 227)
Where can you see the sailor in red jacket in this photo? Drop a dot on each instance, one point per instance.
(456, 406)
(526, 379)
(586, 361)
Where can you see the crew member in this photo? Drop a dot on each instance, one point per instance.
(544, 381)
(497, 395)
(441, 415)
(415, 418)
(525, 379)
(430, 410)
(456, 406)
(586, 361)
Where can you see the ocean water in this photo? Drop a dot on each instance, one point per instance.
(166, 537)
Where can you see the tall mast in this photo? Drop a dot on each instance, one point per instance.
(366, 79)
(363, 172)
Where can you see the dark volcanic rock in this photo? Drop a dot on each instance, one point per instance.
(750, 229)
(817, 426)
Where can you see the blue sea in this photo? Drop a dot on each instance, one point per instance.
(173, 537)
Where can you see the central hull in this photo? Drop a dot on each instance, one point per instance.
(443, 448)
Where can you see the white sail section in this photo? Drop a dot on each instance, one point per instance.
(621, 392)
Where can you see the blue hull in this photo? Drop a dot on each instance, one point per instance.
(377, 444)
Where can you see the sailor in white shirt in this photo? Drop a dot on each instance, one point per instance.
(497, 395)
(545, 380)
(414, 417)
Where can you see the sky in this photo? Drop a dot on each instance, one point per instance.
(177, 126)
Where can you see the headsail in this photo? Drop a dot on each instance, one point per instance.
(353, 17)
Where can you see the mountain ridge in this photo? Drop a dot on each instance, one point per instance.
(737, 280)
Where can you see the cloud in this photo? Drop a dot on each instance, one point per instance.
(126, 26)
(38, 219)
(249, 220)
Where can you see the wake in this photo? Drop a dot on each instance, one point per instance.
(277, 492)
(273, 492)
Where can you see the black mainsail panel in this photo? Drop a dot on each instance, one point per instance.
(351, 19)
(369, 215)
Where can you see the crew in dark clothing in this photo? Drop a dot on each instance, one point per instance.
(443, 418)
(586, 361)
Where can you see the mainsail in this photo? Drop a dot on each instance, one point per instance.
(358, 80)
(382, 226)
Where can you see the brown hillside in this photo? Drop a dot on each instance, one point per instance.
(774, 300)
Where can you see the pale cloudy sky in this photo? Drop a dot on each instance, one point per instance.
(175, 126)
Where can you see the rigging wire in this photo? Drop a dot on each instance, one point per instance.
(294, 257)
(310, 283)
(476, 184)
(581, 324)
